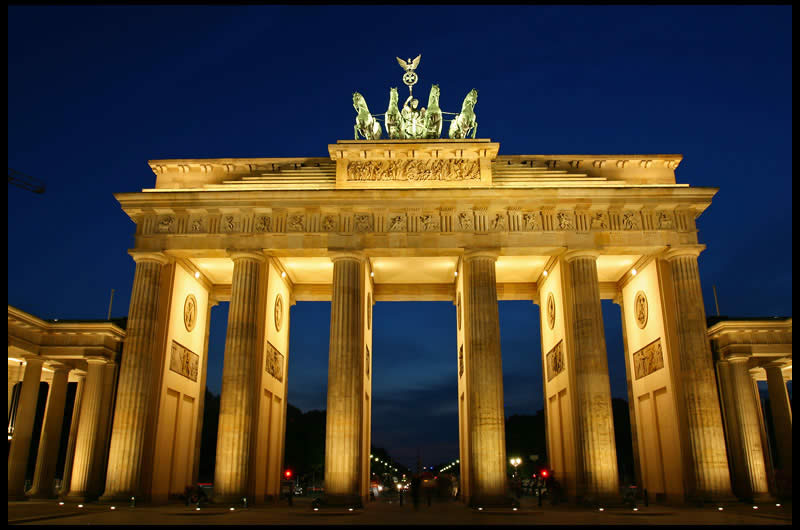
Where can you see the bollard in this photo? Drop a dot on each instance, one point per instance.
(133, 502)
(244, 502)
(646, 500)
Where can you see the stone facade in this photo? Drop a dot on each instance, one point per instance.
(413, 220)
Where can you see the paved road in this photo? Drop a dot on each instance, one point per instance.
(384, 513)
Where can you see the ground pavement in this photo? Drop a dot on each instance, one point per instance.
(385, 513)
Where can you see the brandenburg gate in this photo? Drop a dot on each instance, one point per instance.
(416, 217)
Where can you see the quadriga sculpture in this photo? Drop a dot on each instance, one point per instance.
(365, 125)
(433, 115)
(394, 121)
(465, 120)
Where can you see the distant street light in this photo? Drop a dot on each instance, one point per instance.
(516, 461)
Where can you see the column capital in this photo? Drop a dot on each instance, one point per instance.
(148, 255)
(32, 359)
(58, 366)
(683, 251)
(353, 255)
(96, 360)
(737, 358)
(774, 364)
(473, 253)
(236, 254)
(573, 254)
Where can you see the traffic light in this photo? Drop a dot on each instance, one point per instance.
(288, 473)
(544, 473)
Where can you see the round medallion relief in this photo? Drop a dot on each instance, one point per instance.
(458, 311)
(190, 312)
(640, 309)
(551, 310)
(278, 312)
(369, 310)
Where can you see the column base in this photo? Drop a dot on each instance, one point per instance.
(78, 498)
(18, 497)
(41, 495)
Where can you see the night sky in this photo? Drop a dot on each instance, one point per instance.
(95, 92)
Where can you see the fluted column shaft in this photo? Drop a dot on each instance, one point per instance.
(596, 450)
(239, 371)
(487, 419)
(343, 458)
(781, 410)
(23, 429)
(50, 439)
(748, 423)
(708, 458)
(73, 435)
(86, 443)
(135, 388)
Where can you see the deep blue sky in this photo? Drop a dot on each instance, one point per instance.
(94, 92)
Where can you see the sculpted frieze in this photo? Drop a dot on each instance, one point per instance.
(274, 362)
(362, 222)
(466, 221)
(499, 223)
(263, 223)
(599, 221)
(476, 219)
(429, 223)
(648, 360)
(555, 361)
(166, 224)
(183, 361)
(329, 223)
(396, 223)
(531, 222)
(413, 170)
(296, 223)
(565, 221)
(631, 221)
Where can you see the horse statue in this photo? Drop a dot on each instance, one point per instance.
(465, 120)
(394, 121)
(366, 125)
(433, 115)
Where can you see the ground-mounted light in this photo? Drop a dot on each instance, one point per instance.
(371, 274)
(197, 274)
(633, 272)
(283, 274)
(455, 273)
(544, 273)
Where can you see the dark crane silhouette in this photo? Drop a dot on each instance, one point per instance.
(24, 181)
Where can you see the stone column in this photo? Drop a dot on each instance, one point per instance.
(239, 378)
(73, 435)
(782, 422)
(86, 442)
(343, 458)
(597, 477)
(485, 383)
(23, 429)
(753, 483)
(709, 477)
(135, 389)
(50, 439)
